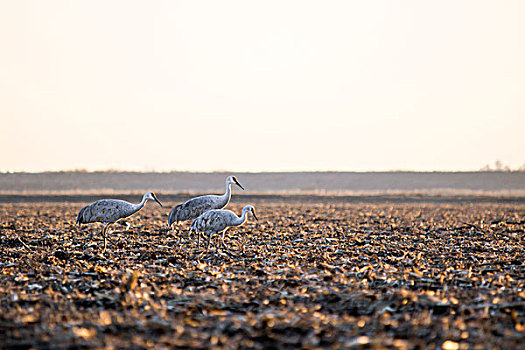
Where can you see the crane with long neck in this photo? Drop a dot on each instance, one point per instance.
(192, 208)
(109, 211)
(218, 221)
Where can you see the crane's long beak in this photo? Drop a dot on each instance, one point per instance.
(156, 200)
(255, 216)
(238, 184)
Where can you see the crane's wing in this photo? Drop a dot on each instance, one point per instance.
(213, 220)
(80, 216)
(192, 208)
(105, 210)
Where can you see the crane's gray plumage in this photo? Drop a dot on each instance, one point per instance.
(109, 211)
(218, 221)
(192, 208)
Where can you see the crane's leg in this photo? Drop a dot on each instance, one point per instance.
(209, 239)
(104, 234)
(198, 240)
(224, 245)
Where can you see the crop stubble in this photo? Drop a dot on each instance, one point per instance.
(310, 275)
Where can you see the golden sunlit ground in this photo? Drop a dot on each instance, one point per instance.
(310, 275)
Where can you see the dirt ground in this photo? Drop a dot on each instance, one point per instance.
(321, 275)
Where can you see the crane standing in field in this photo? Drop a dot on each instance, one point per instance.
(109, 211)
(218, 221)
(192, 208)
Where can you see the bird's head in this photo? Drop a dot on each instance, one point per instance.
(233, 180)
(250, 209)
(151, 195)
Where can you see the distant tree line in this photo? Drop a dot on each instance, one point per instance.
(499, 166)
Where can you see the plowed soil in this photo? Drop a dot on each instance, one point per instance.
(406, 276)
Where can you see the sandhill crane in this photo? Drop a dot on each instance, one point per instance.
(192, 208)
(218, 221)
(109, 211)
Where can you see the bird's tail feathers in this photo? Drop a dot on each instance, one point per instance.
(193, 227)
(173, 215)
(80, 216)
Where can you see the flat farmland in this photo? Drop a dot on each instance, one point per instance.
(308, 275)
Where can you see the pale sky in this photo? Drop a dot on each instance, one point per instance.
(261, 86)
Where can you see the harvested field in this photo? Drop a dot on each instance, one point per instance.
(311, 275)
